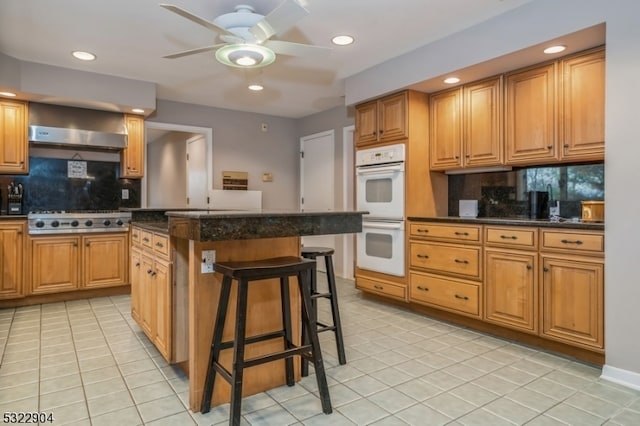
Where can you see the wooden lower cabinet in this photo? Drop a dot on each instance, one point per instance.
(12, 259)
(511, 289)
(573, 300)
(152, 288)
(74, 262)
(447, 293)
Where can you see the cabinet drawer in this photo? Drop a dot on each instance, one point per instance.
(515, 237)
(574, 242)
(445, 292)
(136, 235)
(146, 238)
(446, 232)
(395, 291)
(161, 244)
(446, 258)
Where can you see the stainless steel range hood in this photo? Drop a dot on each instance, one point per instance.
(76, 128)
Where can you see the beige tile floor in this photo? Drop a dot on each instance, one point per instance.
(88, 363)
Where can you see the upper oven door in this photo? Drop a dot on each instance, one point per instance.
(380, 190)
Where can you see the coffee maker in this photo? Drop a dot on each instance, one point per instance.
(538, 205)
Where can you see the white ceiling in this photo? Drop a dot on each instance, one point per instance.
(130, 37)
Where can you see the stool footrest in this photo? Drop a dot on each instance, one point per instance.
(319, 295)
(287, 353)
(254, 339)
(325, 327)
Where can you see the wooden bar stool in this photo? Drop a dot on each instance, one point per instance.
(243, 273)
(332, 295)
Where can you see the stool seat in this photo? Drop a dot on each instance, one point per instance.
(243, 273)
(331, 295)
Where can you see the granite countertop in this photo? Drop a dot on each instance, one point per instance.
(224, 225)
(545, 223)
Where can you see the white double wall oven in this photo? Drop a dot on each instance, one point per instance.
(380, 190)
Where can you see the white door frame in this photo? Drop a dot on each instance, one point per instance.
(208, 134)
(348, 200)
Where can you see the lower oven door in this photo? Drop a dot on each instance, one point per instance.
(381, 247)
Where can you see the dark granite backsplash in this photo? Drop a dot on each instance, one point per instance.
(48, 187)
(505, 194)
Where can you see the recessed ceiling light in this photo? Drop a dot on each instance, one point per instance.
(83, 56)
(8, 94)
(452, 80)
(138, 110)
(342, 40)
(255, 87)
(554, 49)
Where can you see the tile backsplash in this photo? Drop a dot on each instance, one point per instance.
(506, 194)
(49, 187)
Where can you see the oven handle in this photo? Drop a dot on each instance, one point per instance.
(377, 169)
(382, 225)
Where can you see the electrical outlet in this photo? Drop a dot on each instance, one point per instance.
(125, 194)
(208, 259)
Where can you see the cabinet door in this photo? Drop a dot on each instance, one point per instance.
(105, 260)
(572, 300)
(135, 275)
(483, 143)
(164, 308)
(582, 107)
(55, 264)
(446, 130)
(366, 123)
(132, 157)
(13, 137)
(531, 116)
(511, 290)
(393, 120)
(11, 259)
(147, 296)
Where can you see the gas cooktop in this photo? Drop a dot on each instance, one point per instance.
(42, 222)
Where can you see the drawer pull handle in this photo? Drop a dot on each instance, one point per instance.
(508, 237)
(135, 235)
(578, 242)
(378, 287)
(464, 234)
(422, 230)
(159, 244)
(422, 256)
(422, 288)
(461, 297)
(461, 261)
(146, 240)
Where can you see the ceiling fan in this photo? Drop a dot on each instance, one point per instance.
(246, 35)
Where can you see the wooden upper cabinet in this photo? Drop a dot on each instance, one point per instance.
(14, 143)
(531, 116)
(132, 157)
(445, 113)
(466, 126)
(383, 120)
(582, 100)
(483, 141)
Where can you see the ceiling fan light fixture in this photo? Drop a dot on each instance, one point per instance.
(245, 55)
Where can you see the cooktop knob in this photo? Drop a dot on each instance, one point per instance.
(39, 224)
(107, 222)
(74, 223)
(55, 223)
(88, 223)
(119, 222)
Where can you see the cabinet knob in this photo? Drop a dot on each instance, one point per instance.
(529, 267)
(137, 264)
(566, 145)
(549, 146)
(545, 269)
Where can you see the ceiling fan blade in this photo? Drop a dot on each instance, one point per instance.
(232, 39)
(194, 51)
(296, 49)
(198, 20)
(280, 19)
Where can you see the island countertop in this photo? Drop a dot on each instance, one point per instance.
(224, 225)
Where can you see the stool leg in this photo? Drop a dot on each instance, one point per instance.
(286, 326)
(238, 353)
(214, 353)
(309, 317)
(305, 338)
(335, 312)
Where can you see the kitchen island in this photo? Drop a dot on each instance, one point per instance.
(237, 236)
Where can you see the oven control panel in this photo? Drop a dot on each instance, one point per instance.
(381, 155)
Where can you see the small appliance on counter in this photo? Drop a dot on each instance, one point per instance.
(593, 211)
(468, 208)
(14, 198)
(538, 204)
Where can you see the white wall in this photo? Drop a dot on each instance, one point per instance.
(534, 23)
(239, 144)
(166, 173)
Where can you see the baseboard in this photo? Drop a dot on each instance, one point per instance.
(627, 378)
